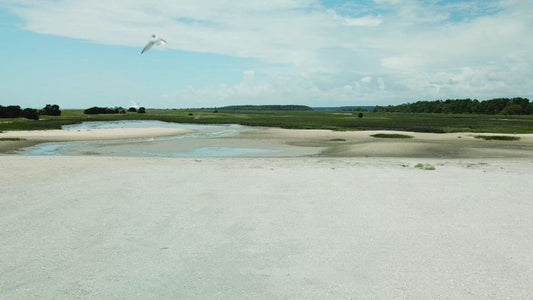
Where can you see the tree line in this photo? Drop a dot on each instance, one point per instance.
(15, 111)
(506, 106)
(112, 110)
(266, 107)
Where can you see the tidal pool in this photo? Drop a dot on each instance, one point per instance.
(205, 141)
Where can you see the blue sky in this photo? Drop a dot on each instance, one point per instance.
(82, 53)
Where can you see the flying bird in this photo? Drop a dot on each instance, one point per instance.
(155, 41)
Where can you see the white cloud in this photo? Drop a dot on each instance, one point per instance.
(366, 79)
(381, 84)
(363, 21)
(387, 51)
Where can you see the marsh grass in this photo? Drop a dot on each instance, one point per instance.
(419, 122)
(391, 136)
(338, 140)
(426, 167)
(11, 139)
(497, 137)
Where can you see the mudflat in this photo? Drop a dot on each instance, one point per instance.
(288, 142)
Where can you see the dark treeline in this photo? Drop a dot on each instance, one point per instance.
(108, 110)
(50, 110)
(15, 111)
(267, 107)
(10, 111)
(507, 106)
(104, 110)
(344, 108)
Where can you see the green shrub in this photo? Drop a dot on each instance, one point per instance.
(11, 139)
(30, 113)
(426, 167)
(50, 110)
(391, 136)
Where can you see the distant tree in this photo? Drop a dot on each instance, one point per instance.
(30, 113)
(529, 109)
(360, 115)
(132, 109)
(464, 106)
(50, 110)
(513, 109)
(11, 111)
(91, 110)
(266, 108)
(104, 110)
(141, 110)
(523, 102)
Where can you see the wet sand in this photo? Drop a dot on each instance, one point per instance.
(282, 143)
(424, 145)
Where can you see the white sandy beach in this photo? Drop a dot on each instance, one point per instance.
(58, 135)
(331, 224)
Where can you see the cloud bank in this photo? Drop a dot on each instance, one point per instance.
(310, 51)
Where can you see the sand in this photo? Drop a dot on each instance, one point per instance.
(318, 226)
(421, 145)
(284, 143)
(14, 140)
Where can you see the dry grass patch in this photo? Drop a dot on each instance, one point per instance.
(498, 137)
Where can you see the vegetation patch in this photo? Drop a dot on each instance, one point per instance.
(503, 106)
(426, 167)
(265, 108)
(391, 136)
(337, 140)
(11, 139)
(498, 137)
(407, 122)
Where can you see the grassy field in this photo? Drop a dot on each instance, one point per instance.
(419, 122)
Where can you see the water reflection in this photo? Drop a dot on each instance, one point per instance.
(204, 142)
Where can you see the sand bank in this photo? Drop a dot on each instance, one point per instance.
(427, 145)
(286, 143)
(265, 228)
(92, 134)
(12, 140)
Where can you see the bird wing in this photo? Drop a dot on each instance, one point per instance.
(148, 46)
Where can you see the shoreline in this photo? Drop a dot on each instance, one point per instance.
(63, 135)
(28, 138)
(298, 142)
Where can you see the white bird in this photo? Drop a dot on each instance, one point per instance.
(155, 41)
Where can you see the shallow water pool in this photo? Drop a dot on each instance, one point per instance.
(204, 142)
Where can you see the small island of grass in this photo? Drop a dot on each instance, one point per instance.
(391, 136)
(498, 137)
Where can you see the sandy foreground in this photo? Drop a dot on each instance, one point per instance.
(325, 225)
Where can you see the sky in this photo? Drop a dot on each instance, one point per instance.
(84, 53)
